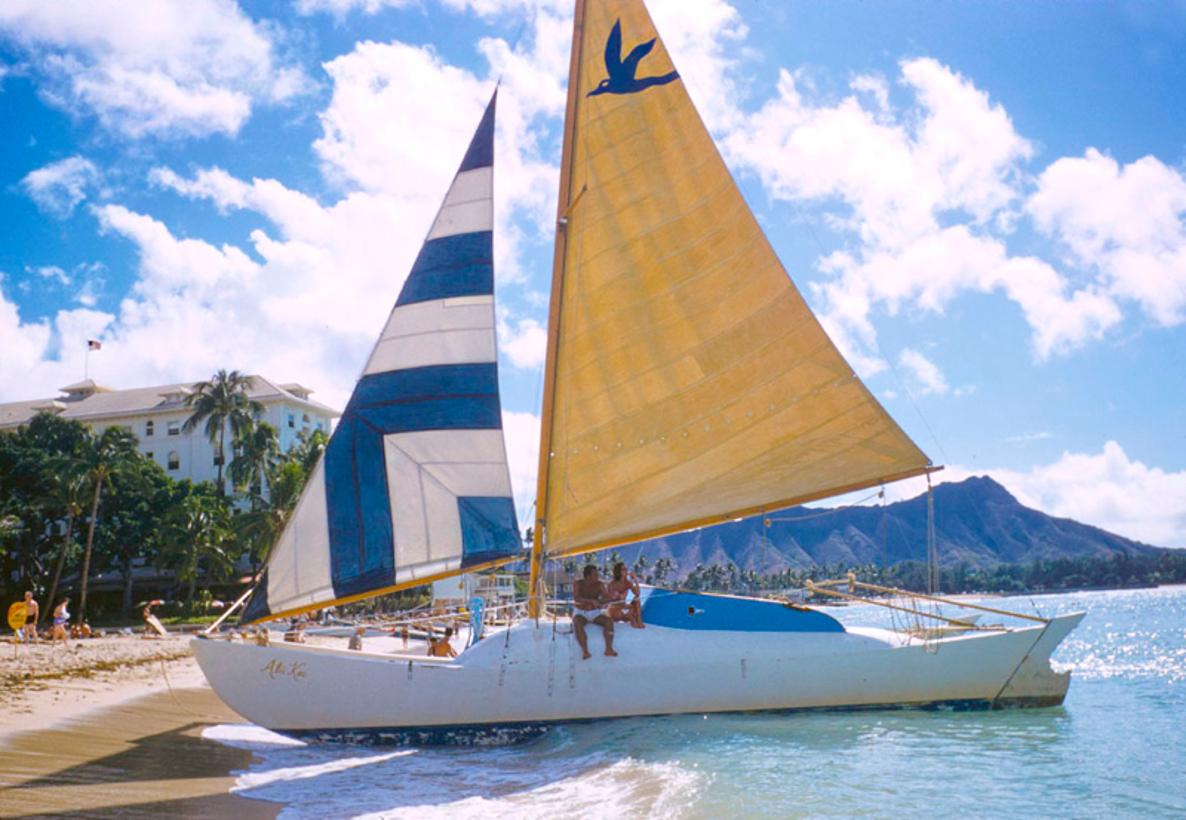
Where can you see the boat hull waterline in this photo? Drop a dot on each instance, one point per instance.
(533, 674)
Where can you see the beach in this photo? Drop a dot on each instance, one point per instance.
(112, 727)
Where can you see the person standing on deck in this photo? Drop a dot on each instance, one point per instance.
(589, 597)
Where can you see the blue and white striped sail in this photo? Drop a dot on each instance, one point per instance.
(414, 483)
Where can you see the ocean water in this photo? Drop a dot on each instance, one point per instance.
(1116, 748)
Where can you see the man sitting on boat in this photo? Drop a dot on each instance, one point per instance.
(442, 648)
(589, 596)
(623, 584)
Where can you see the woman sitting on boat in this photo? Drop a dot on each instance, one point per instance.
(620, 609)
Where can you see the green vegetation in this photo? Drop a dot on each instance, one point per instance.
(222, 402)
(74, 503)
(1122, 570)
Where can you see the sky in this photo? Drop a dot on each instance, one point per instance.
(985, 203)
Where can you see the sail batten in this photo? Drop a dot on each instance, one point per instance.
(414, 485)
(687, 380)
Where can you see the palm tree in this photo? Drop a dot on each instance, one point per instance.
(68, 481)
(259, 529)
(220, 402)
(104, 458)
(196, 532)
(308, 449)
(256, 452)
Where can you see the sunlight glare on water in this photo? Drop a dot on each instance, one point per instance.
(1115, 748)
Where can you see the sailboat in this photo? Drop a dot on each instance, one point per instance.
(687, 383)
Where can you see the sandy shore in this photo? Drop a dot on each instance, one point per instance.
(112, 727)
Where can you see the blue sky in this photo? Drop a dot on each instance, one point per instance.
(984, 202)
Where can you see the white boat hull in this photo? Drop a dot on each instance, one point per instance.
(533, 674)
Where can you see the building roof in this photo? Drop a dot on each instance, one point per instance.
(88, 401)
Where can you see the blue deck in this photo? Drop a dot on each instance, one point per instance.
(691, 610)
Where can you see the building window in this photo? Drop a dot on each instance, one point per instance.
(292, 420)
(149, 455)
(174, 428)
(217, 459)
(320, 424)
(149, 427)
(304, 418)
(174, 461)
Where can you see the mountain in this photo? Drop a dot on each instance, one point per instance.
(977, 522)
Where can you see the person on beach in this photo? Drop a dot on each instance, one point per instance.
(589, 597)
(356, 638)
(32, 616)
(150, 629)
(61, 620)
(296, 632)
(442, 648)
(620, 588)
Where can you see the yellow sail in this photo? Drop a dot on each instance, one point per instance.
(687, 382)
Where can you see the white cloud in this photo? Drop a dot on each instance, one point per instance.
(525, 343)
(191, 67)
(493, 8)
(954, 151)
(340, 8)
(88, 294)
(702, 37)
(1111, 491)
(521, 431)
(52, 272)
(1107, 489)
(59, 187)
(925, 372)
(39, 357)
(930, 271)
(303, 298)
(1125, 222)
(932, 190)
(403, 85)
(1025, 438)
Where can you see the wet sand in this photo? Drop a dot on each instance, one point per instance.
(125, 740)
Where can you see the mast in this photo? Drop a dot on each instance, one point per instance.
(563, 203)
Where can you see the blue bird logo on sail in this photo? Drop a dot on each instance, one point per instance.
(622, 79)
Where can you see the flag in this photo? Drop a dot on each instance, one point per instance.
(91, 344)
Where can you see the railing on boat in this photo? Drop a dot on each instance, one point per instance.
(875, 595)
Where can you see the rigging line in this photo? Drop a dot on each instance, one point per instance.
(910, 397)
(217, 719)
(522, 28)
(830, 511)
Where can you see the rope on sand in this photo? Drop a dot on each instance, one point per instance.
(201, 715)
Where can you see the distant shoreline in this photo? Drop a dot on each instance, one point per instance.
(1021, 593)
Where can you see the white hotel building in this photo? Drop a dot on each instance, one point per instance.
(156, 416)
